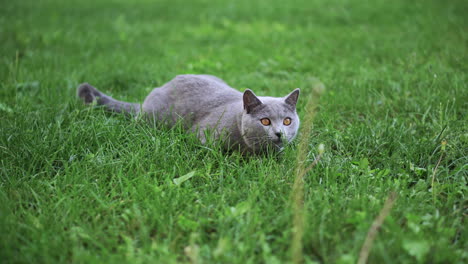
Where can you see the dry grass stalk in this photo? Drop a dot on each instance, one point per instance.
(301, 170)
(373, 230)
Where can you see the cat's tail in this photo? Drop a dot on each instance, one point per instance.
(89, 94)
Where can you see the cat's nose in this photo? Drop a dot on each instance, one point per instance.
(278, 134)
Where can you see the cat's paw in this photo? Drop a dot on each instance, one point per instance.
(87, 93)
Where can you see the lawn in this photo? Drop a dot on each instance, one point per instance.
(81, 185)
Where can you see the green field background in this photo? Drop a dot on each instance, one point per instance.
(78, 185)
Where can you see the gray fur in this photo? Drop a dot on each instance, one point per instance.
(205, 102)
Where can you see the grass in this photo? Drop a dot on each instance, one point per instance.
(79, 185)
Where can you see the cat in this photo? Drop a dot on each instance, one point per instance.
(243, 121)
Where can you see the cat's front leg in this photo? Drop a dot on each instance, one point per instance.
(201, 136)
(199, 132)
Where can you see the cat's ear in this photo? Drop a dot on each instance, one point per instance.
(250, 101)
(291, 98)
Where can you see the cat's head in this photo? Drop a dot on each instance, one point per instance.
(269, 122)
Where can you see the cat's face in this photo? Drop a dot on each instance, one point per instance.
(269, 122)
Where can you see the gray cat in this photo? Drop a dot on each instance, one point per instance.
(206, 103)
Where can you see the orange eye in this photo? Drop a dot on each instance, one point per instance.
(265, 121)
(287, 121)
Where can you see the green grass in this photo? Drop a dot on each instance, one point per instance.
(79, 185)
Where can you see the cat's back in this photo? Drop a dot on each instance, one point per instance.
(201, 86)
(191, 93)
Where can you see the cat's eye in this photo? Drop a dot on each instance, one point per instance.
(265, 121)
(287, 121)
